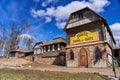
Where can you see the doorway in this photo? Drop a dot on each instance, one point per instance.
(83, 58)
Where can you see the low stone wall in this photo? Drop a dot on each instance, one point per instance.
(71, 63)
(47, 60)
(100, 64)
(29, 58)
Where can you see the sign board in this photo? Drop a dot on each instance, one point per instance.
(85, 36)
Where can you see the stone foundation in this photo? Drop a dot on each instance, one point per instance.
(29, 58)
(104, 62)
(47, 60)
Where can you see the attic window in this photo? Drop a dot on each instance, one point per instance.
(80, 16)
(73, 16)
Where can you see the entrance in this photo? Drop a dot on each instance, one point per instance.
(62, 57)
(83, 58)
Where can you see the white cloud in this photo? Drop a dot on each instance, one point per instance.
(44, 4)
(60, 25)
(47, 2)
(39, 13)
(61, 13)
(99, 4)
(116, 30)
(26, 36)
(48, 19)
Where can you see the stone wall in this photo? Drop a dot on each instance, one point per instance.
(47, 60)
(29, 58)
(19, 54)
(72, 63)
(104, 49)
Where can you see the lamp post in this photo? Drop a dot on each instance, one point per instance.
(113, 66)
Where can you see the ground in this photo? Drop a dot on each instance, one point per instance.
(12, 74)
(20, 66)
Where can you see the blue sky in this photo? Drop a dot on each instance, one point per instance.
(48, 17)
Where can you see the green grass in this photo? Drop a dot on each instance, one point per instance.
(11, 74)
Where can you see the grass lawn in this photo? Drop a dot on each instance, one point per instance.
(11, 74)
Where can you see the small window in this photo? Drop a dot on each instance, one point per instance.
(98, 54)
(71, 55)
(81, 16)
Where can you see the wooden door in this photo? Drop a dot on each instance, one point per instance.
(62, 60)
(83, 57)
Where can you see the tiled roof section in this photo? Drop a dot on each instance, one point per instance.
(21, 49)
(50, 54)
(55, 40)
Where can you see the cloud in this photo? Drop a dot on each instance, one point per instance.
(39, 13)
(61, 24)
(48, 19)
(47, 2)
(61, 13)
(116, 30)
(26, 36)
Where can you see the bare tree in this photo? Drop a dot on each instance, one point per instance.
(3, 39)
(28, 42)
(9, 37)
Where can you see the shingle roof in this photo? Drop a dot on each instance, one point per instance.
(55, 40)
(50, 54)
(22, 49)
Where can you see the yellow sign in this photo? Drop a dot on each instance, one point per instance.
(84, 36)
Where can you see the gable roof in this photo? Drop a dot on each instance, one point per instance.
(21, 49)
(38, 43)
(81, 10)
(54, 41)
(101, 18)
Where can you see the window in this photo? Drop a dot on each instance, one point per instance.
(71, 55)
(55, 46)
(73, 16)
(98, 54)
(46, 48)
(12, 54)
(80, 16)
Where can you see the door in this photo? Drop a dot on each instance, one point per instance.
(62, 57)
(83, 58)
(62, 60)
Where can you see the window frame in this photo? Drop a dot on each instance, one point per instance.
(98, 54)
(72, 57)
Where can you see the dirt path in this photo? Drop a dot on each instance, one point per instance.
(43, 67)
(107, 72)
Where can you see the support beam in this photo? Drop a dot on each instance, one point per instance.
(44, 49)
(48, 48)
(41, 49)
(53, 47)
(58, 46)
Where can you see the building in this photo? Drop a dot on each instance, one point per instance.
(117, 52)
(20, 52)
(50, 52)
(89, 40)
